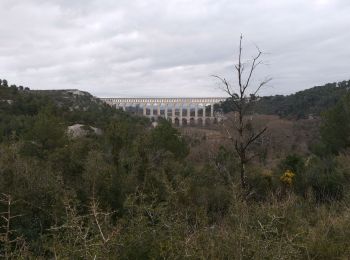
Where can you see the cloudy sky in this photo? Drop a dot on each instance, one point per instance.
(171, 47)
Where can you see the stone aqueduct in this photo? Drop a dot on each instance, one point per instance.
(179, 110)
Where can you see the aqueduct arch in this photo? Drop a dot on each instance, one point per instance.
(172, 108)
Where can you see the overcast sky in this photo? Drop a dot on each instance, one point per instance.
(171, 47)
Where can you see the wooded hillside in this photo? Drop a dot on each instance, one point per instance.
(132, 191)
(305, 103)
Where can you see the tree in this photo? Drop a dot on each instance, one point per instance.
(47, 132)
(335, 127)
(11, 245)
(166, 138)
(241, 103)
(4, 83)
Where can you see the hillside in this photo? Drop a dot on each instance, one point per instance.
(126, 190)
(18, 108)
(307, 102)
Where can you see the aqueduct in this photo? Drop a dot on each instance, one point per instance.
(180, 110)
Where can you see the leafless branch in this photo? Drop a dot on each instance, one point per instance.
(263, 83)
(241, 102)
(252, 68)
(254, 137)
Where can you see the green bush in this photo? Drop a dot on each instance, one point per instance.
(165, 137)
(263, 183)
(326, 181)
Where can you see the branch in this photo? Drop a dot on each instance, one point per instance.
(95, 214)
(237, 148)
(228, 90)
(254, 137)
(251, 157)
(227, 87)
(228, 133)
(263, 83)
(239, 67)
(252, 68)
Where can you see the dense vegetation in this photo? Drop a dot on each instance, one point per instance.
(309, 102)
(131, 192)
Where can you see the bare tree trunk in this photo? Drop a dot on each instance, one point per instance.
(13, 245)
(240, 102)
(241, 152)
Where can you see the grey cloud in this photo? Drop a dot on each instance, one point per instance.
(170, 48)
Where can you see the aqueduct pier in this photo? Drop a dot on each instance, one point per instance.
(179, 110)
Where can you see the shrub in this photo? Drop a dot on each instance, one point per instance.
(262, 183)
(325, 180)
(287, 178)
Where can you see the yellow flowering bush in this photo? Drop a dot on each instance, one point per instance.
(287, 178)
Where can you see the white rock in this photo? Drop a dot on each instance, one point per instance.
(79, 130)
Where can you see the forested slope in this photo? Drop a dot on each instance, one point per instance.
(307, 102)
(133, 192)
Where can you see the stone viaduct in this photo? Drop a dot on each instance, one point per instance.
(181, 111)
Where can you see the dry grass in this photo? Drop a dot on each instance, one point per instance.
(282, 138)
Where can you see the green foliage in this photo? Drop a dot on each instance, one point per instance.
(321, 176)
(134, 193)
(262, 184)
(208, 190)
(326, 180)
(311, 101)
(165, 137)
(335, 130)
(47, 132)
(294, 163)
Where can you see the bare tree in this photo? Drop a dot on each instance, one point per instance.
(12, 246)
(85, 235)
(240, 102)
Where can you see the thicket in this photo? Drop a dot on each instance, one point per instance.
(131, 193)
